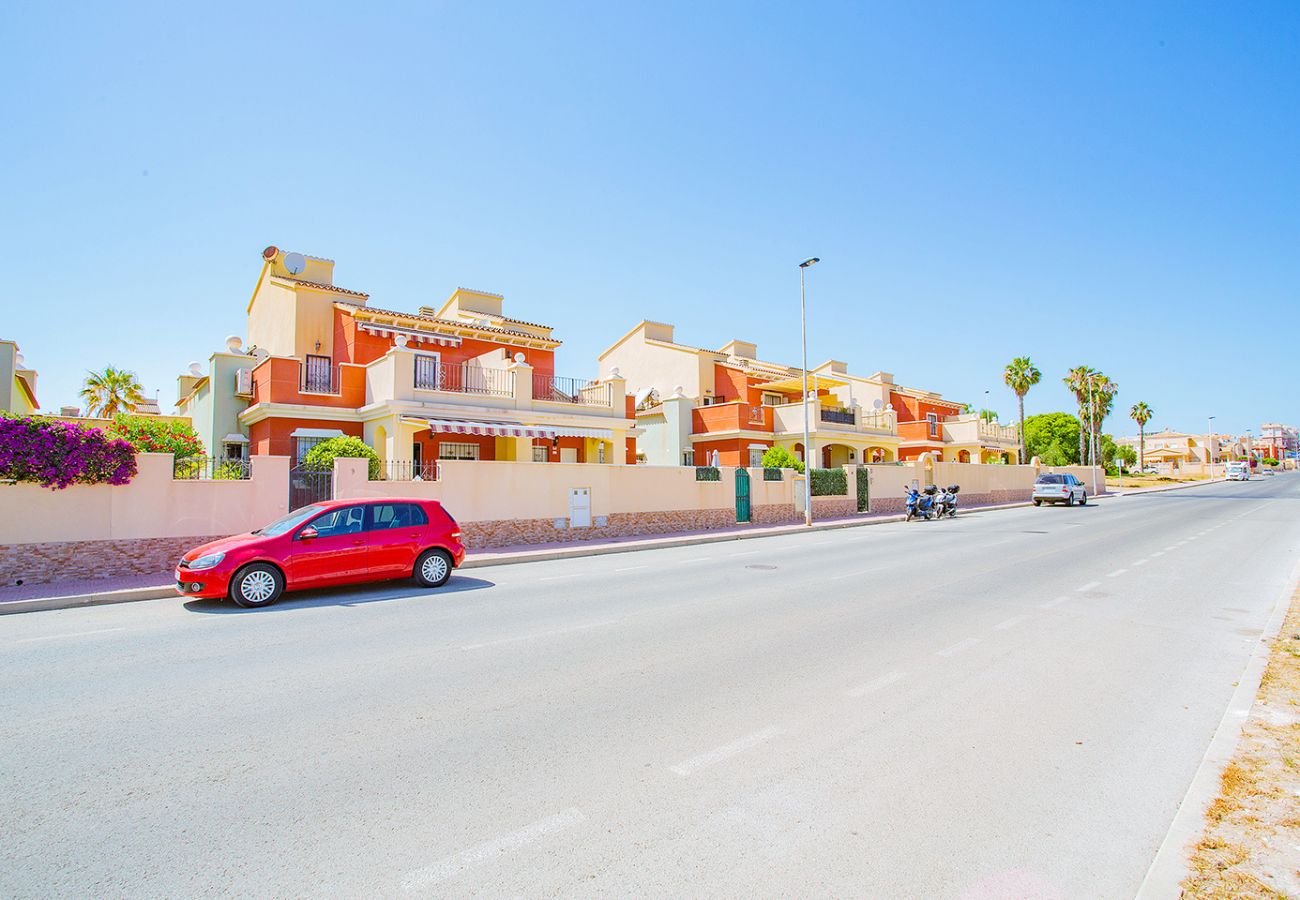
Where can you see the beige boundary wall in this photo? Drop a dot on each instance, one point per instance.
(501, 504)
(88, 531)
(143, 527)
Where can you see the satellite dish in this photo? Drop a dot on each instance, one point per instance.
(196, 370)
(270, 253)
(295, 262)
(260, 353)
(876, 404)
(234, 344)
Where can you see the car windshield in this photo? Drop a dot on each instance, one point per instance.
(289, 522)
(1050, 479)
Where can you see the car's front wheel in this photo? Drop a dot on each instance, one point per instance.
(433, 568)
(1083, 499)
(257, 585)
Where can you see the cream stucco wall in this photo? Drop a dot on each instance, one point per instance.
(152, 505)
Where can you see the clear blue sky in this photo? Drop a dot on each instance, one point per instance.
(1115, 185)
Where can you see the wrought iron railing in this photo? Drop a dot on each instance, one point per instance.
(839, 416)
(319, 378)
(462, 378)
(407, 470)
(558, 389)
(204, 468)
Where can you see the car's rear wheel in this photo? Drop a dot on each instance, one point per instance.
(1069, 501)
(1038, 503)
(256, 585)
(433, 568)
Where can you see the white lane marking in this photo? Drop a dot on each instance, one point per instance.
(70, 634)
(1157, 553)
(958, 647)
(1010, 623)
(457, 863)
(871, 686)
(1140, 562)
(631, 568)
(539, 634)
(748, 553)
(1089, 586)
(718, 754)
(1116, 573)
(558, 577)
(1171, 547)
(1051, 603)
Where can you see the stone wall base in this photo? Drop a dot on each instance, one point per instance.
(58, 561)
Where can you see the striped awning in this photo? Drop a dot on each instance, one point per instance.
(423, 337)
(508, 429)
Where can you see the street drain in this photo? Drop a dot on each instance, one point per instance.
(761, 566)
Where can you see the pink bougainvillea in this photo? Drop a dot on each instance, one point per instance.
(56, 454)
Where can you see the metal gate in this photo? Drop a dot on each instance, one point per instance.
(742, 495)
(308, 486)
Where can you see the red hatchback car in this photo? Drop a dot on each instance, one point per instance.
(330, 543)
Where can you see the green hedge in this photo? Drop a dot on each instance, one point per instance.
(707, 473)
(772, 474)
(829, 483)
(864, 489)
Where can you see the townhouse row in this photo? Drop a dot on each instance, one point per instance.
(466, 381)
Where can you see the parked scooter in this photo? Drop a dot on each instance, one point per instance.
(945, 503)
(920, 504)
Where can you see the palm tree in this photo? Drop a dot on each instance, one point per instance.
(1104, 390)
(110, 392)
(1141, 413)
(1077, 381)
(1020, 375)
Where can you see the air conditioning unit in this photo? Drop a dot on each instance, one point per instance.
(244, 382)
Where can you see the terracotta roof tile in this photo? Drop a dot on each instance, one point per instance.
(327, 287)
(450, 322)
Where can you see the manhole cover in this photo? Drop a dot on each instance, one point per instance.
(761, 566)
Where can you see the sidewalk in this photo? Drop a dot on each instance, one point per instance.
(95, 592)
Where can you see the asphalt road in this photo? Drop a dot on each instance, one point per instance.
(1009, 704)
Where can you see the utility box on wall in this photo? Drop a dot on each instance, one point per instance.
(580, 507)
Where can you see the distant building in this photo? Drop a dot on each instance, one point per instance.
(17, 382)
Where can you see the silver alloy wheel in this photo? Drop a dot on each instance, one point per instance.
(434, 568)
(257, 586)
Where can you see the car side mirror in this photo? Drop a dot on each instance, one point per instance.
(308, 533)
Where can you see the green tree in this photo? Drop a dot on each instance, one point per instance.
(1141, 413)
(781, 458)
(1046, 429)
(1020, 375)
(1101, 404)
(110, 392)
(988, 415)
(322, 455)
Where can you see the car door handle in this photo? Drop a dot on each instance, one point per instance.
(358, 542)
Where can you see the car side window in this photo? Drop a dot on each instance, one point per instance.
(345, 520)
(396, 515)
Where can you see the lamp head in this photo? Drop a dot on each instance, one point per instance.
(811, 261)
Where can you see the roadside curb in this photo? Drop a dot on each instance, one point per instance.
(1138, 492)
(1169, 867)
(163, 592)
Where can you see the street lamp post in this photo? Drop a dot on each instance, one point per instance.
(1092, 436)
(1209, 458)
(807, 444)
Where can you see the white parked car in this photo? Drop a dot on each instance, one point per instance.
(1059, 489)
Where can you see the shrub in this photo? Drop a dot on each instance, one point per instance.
(322, 455)
(829, 482)
(864, 489)
(38, 450)
(1269, 461)
(707, 473)
(149, 435)
(781, 458)
(772, 474)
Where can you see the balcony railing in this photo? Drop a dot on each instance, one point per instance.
(319, 378)
(570, 390)
(993, 431)
(839, 416)
(461, 378)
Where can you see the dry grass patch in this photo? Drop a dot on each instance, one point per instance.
(1251, 843)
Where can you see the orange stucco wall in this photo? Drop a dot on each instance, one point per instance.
(271, 436)
(733, 452)
(351, 344)
(730, 417)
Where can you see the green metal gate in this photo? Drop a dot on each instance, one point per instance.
(742, 495)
